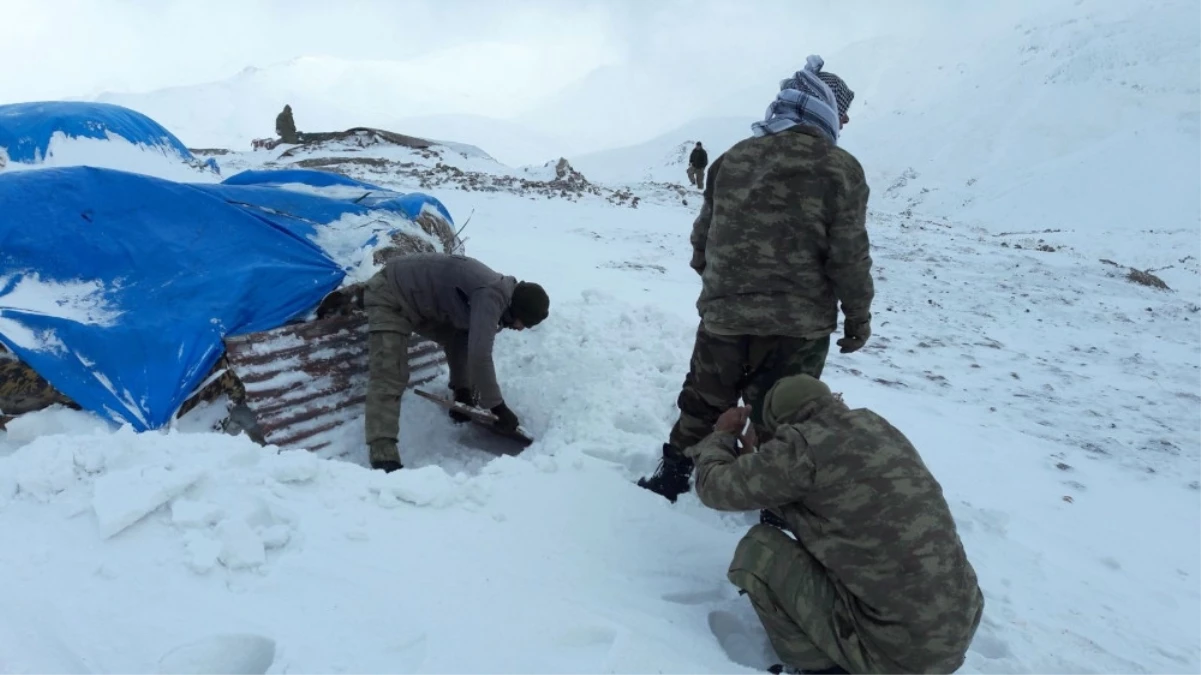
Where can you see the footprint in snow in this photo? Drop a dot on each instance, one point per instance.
(988, 645)
(743, 643)
(239, 654)
(696, 597)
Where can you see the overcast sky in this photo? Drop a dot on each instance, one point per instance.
(671, 58)
(62, 48)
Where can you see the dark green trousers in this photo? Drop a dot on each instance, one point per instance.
(800, 606)
(725, 368)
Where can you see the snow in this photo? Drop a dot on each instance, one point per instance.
(346, 240)
(77, 301)
(665, 158)
(1056, 401)
(118, 153)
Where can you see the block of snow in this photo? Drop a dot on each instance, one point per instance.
(46, 473)
(276, 536)
(122, 498)
(192, 513)
(426, 486)
(295, 466)
(242, 654)
(241, 547)
(53, 421)
(202, 552)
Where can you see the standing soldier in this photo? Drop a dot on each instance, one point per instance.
(876, 579)
(285, 126)
(697, 161)
(780, 241)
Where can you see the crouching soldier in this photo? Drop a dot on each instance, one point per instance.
(457, 302)
(876, 579)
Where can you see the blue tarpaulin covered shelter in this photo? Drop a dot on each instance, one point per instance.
(27, 128)
(118, 288)
(368, 195)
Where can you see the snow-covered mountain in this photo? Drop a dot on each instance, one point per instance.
(1074, 118)
(458, 95)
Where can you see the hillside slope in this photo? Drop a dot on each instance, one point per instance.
(1082, 117)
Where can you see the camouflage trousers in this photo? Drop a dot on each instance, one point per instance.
(696, 176)
(389, 331)
(727, 367)
(798, 603)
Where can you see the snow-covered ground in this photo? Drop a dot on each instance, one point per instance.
(1056, 400)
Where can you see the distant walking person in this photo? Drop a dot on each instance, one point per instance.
(697, 161)
(780, 243)
(285, 126)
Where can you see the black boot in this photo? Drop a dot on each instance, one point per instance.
(465, 396)
(387, 466)
(671, 478)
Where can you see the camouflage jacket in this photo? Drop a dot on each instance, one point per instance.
(859, 498)
(782, 238)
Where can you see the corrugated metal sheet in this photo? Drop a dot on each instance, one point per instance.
(304, 381)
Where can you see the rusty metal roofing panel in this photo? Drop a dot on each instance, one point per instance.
(304, 381)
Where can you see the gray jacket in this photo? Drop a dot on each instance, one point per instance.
(453, 299)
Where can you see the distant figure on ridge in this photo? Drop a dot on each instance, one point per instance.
(781, 241)
(285, 126)
(697, 161)
(867, 573)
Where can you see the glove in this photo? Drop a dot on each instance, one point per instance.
(857, 331)
(465, 396)
(505, 419)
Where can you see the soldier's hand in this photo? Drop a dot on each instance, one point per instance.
(732, 420)
(749, 440)
(856, 333)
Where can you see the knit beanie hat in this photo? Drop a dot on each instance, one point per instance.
(788, 395)
(530, 304)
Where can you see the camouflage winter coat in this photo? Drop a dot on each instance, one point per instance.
(782, 239)
(859, 498)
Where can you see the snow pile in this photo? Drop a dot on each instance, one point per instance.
(354, 241)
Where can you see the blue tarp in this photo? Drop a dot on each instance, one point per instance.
(26, 128)
(373, 196)
(301, 176)
(156, 274)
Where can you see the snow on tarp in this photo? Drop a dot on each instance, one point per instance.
(26, 129)
(118, 287)
(337, 186)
